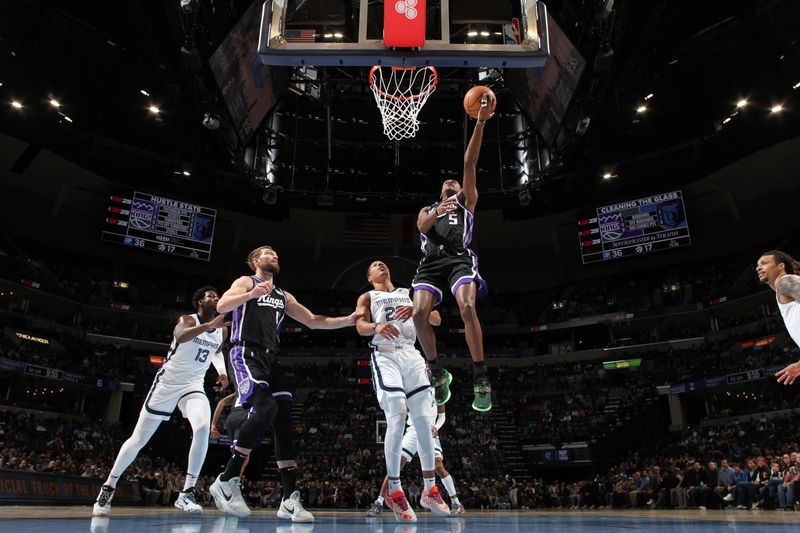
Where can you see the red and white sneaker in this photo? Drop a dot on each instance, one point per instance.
(433, 501)
(399, 505)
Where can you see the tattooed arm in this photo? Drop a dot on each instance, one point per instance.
(789, 285)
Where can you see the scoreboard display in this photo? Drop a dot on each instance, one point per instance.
(633, 227)
(160, 224)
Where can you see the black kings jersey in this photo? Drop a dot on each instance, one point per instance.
(257, 322)
(451, 233)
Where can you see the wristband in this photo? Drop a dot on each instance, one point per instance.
(481, 122)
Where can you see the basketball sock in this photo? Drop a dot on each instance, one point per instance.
(454, 500)
(394, 486)
(479, 369)
(191, 481)
(234, 466)
(380, 500)
(145, 427)
(449, 485)
(429, 482)
(288, 480)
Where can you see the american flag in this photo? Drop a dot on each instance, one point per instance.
(367, 230)
(299, 36)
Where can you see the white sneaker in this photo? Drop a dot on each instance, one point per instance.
(228, 497)
(433, 501)
(186, 502)
(702, 508)
(102, 507)
(728, 498)
(292, 509)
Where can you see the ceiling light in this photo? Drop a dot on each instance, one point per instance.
(484, 34)
(472, 34)
(186, 173)
(154, 110)
(55, 103)
(726, 120)
(776, 108)
(741, 103)
(608, 175)
(648, 97)
(67, 118)
(16, 104)
(328, 35)
(144, 92)
(641, 109)
(795, 86)
(338, 35)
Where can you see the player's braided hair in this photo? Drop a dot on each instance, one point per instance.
(199, 294)
(791, 264)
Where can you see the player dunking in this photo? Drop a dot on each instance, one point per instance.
(409, 447)
(195, 346)
(445, 233)
(401, 383)
(258, 309)
(780, 271)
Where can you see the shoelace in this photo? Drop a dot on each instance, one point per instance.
(401, 502)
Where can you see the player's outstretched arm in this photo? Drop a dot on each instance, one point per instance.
(469, 189)
(187, 327)
(299, 312)
(789, 285)
(240, 292)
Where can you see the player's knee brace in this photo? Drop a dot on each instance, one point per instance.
(263, 413)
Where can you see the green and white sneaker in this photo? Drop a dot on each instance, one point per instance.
(483, 394)
(441, 380)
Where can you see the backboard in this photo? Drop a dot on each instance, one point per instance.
(458, 33)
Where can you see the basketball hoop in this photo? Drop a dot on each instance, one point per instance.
(400, 93)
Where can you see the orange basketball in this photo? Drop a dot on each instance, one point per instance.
(472, 100)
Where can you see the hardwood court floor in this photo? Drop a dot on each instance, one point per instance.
(151, 520)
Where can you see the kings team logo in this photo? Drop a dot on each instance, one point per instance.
(612, 226)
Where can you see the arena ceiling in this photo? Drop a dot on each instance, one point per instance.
(106, 63)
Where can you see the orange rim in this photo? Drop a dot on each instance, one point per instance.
(424, 93)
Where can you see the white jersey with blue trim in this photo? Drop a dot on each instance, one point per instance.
(383, 306)
(189, 361)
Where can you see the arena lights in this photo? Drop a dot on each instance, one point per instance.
(641, 109)
(795, 86)
(741, 103)
(16, 104)
(726, 120)
(472, 34)
(776, 109)
(648, 97)
(55, 103)
(154, 110)
(144, 92)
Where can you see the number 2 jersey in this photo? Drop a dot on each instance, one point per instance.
(383, 306)
(187, 362)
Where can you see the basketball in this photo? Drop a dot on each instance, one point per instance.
(472, 100)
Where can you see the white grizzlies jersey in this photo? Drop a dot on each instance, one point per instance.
(383, 306)
(791, 317)
(189, 361)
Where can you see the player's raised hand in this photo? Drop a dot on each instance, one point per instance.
(261, 289)
(788, 375)
(403, 312)
(487, 106)
(217, 322)
(387, 331)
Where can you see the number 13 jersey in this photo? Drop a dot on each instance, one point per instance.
(189, 361)
(383, 306)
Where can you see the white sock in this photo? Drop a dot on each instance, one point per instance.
(430, 482)
(198, 412)
(449, 485)
(394, 486)
(454, 500)
(145, 427)
(379, 501)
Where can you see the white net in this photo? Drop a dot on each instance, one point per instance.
(400, 93)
